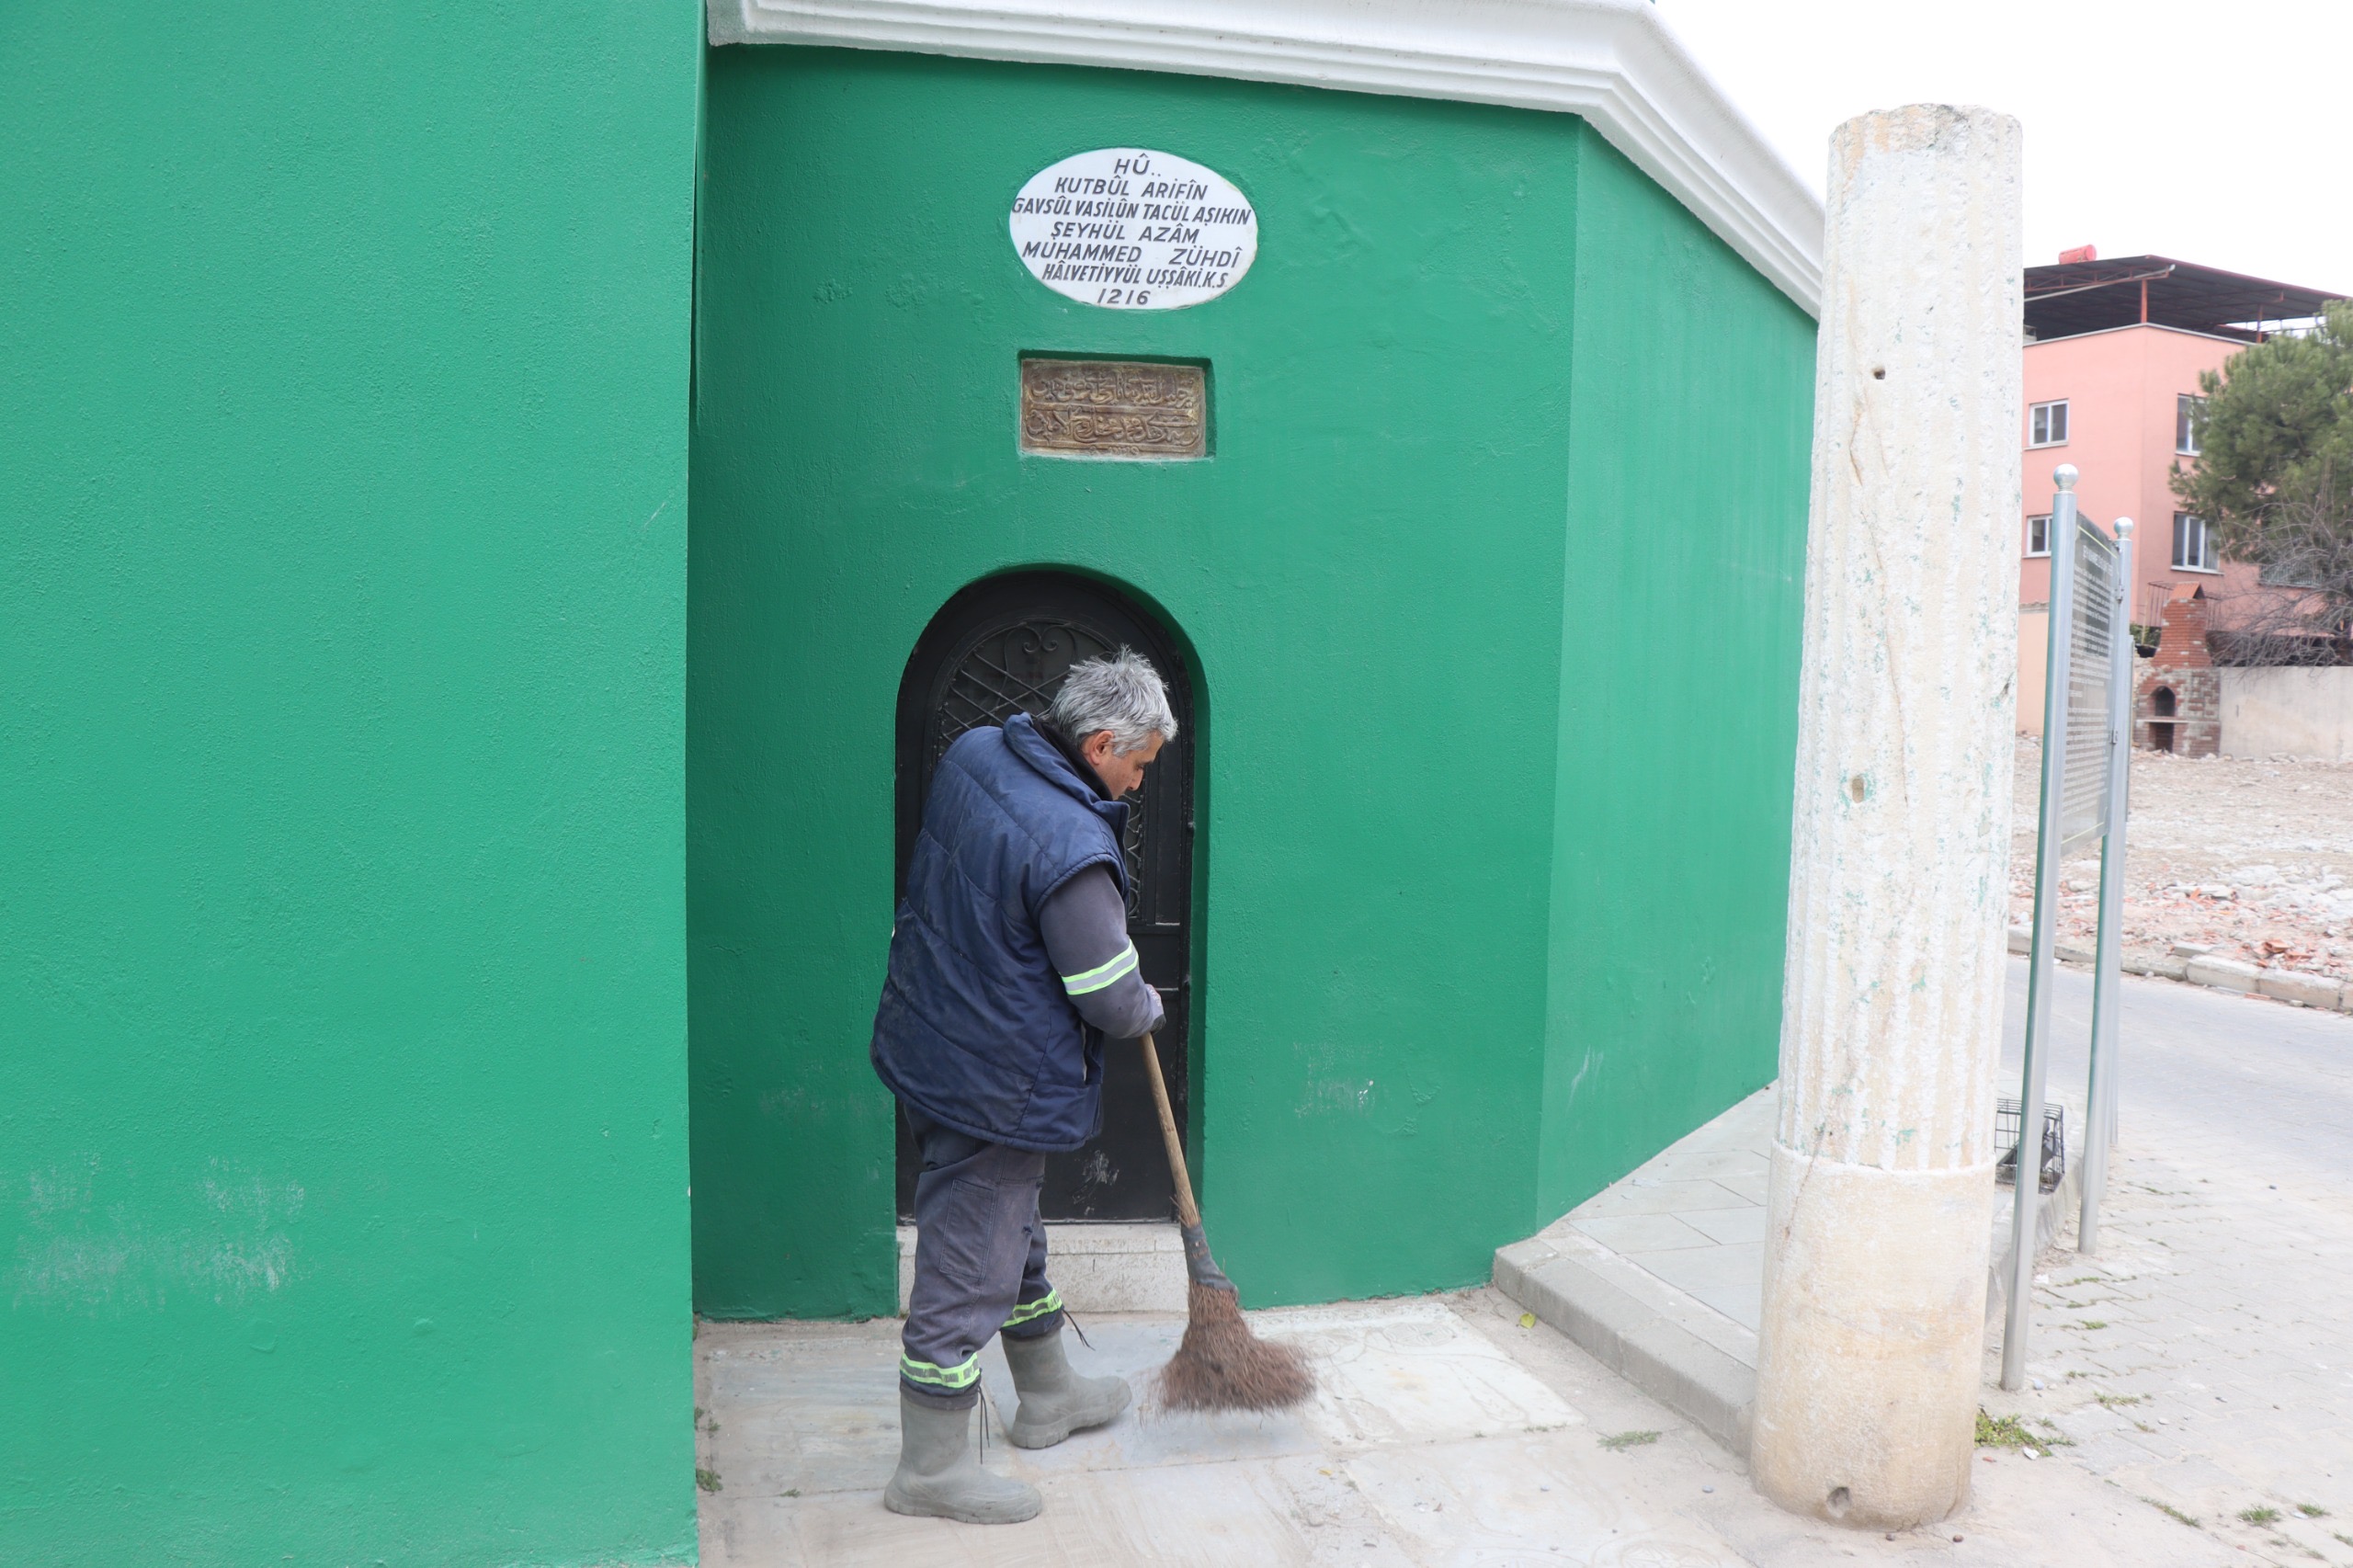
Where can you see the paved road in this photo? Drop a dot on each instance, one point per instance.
(2276, 1078)
(2204, 1361)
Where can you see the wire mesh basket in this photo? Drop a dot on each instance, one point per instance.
(2006, 1116)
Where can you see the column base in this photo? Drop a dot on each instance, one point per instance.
(1871, 1347)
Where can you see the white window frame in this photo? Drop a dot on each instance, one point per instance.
(2185, 423)
(2205, 537)
(2031, 553)
(2038, 416)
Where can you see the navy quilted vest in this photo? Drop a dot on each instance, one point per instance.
(974, 1030)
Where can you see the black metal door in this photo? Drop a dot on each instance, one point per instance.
(1002, 646)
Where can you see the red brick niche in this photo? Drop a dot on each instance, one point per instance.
(2178, 706)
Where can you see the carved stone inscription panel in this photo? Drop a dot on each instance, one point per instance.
(1108, 408)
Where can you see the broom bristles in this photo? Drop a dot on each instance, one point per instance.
(1223, 1366)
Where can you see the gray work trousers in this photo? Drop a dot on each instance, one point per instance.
(980, 1260)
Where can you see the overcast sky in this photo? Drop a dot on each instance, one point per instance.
(2219, 132)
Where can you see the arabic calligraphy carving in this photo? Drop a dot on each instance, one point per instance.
(1106, 408)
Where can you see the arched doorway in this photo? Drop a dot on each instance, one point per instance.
(1002, 646)
(2162, 707)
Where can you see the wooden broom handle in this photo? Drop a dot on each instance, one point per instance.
(1187, 1211)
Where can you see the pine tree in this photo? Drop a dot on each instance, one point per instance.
(2274, 481)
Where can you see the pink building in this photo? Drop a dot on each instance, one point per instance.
(2113, 351)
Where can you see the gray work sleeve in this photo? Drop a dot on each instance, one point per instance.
(1085, 928)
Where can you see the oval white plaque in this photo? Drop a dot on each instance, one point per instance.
(1129, 229)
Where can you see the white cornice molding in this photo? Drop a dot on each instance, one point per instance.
(1613, 61)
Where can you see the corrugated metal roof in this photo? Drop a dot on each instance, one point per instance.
(2072, 298)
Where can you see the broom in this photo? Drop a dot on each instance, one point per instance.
(1220, 1365)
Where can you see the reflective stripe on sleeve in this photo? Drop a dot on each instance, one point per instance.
(958, 1377)
(1051, 1302)
(1102, 975)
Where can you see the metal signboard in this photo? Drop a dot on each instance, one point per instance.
(2082, 801)
(2086, 705)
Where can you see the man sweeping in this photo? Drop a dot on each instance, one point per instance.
(1010, 967)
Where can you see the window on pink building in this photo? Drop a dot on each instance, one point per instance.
(2037, 535)
(2193, 545)
(2186, 410)
(2046, 424)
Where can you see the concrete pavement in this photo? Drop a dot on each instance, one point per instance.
(2204, 1360)
(2199, 1370)
(1447, 1437)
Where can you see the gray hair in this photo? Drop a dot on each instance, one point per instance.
(1121, 694)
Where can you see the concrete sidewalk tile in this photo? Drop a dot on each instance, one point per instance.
(1206, 1516)
(1203, 1515)
(2134, 1316)
(1750, 1185)
(1709, 1165)
(1716, 1266)
(2091, 1421)
(751, 1532)
(2113, 1370)
(2159, 1442)
(1743, 1303)
(1638, 1234)
(1733, 1227)
(1646, 1197)
(2110, 1453)
(1523, 1502)
(1409, 1372)
(1136, 1349)
(1339, 1521)
(762, 1458)
(2197, 1473)
(815, 1401)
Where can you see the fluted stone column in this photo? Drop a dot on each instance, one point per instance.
(1883, 1162)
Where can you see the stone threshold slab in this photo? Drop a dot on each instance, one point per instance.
(1137, 1268)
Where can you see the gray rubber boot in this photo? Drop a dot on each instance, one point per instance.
(1055, 1401)
(937, 1477)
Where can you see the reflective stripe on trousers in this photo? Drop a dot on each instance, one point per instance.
(979, 1259)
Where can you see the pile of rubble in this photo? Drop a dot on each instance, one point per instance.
(2234, 858)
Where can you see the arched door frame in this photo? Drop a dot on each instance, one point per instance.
(1000, 644)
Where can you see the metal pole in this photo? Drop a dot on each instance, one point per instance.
(2128, 679)
(2107, 971)
(2027, 1173)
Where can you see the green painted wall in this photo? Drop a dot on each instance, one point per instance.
(1689, 452)
(1384, 574)
(342, 1175)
